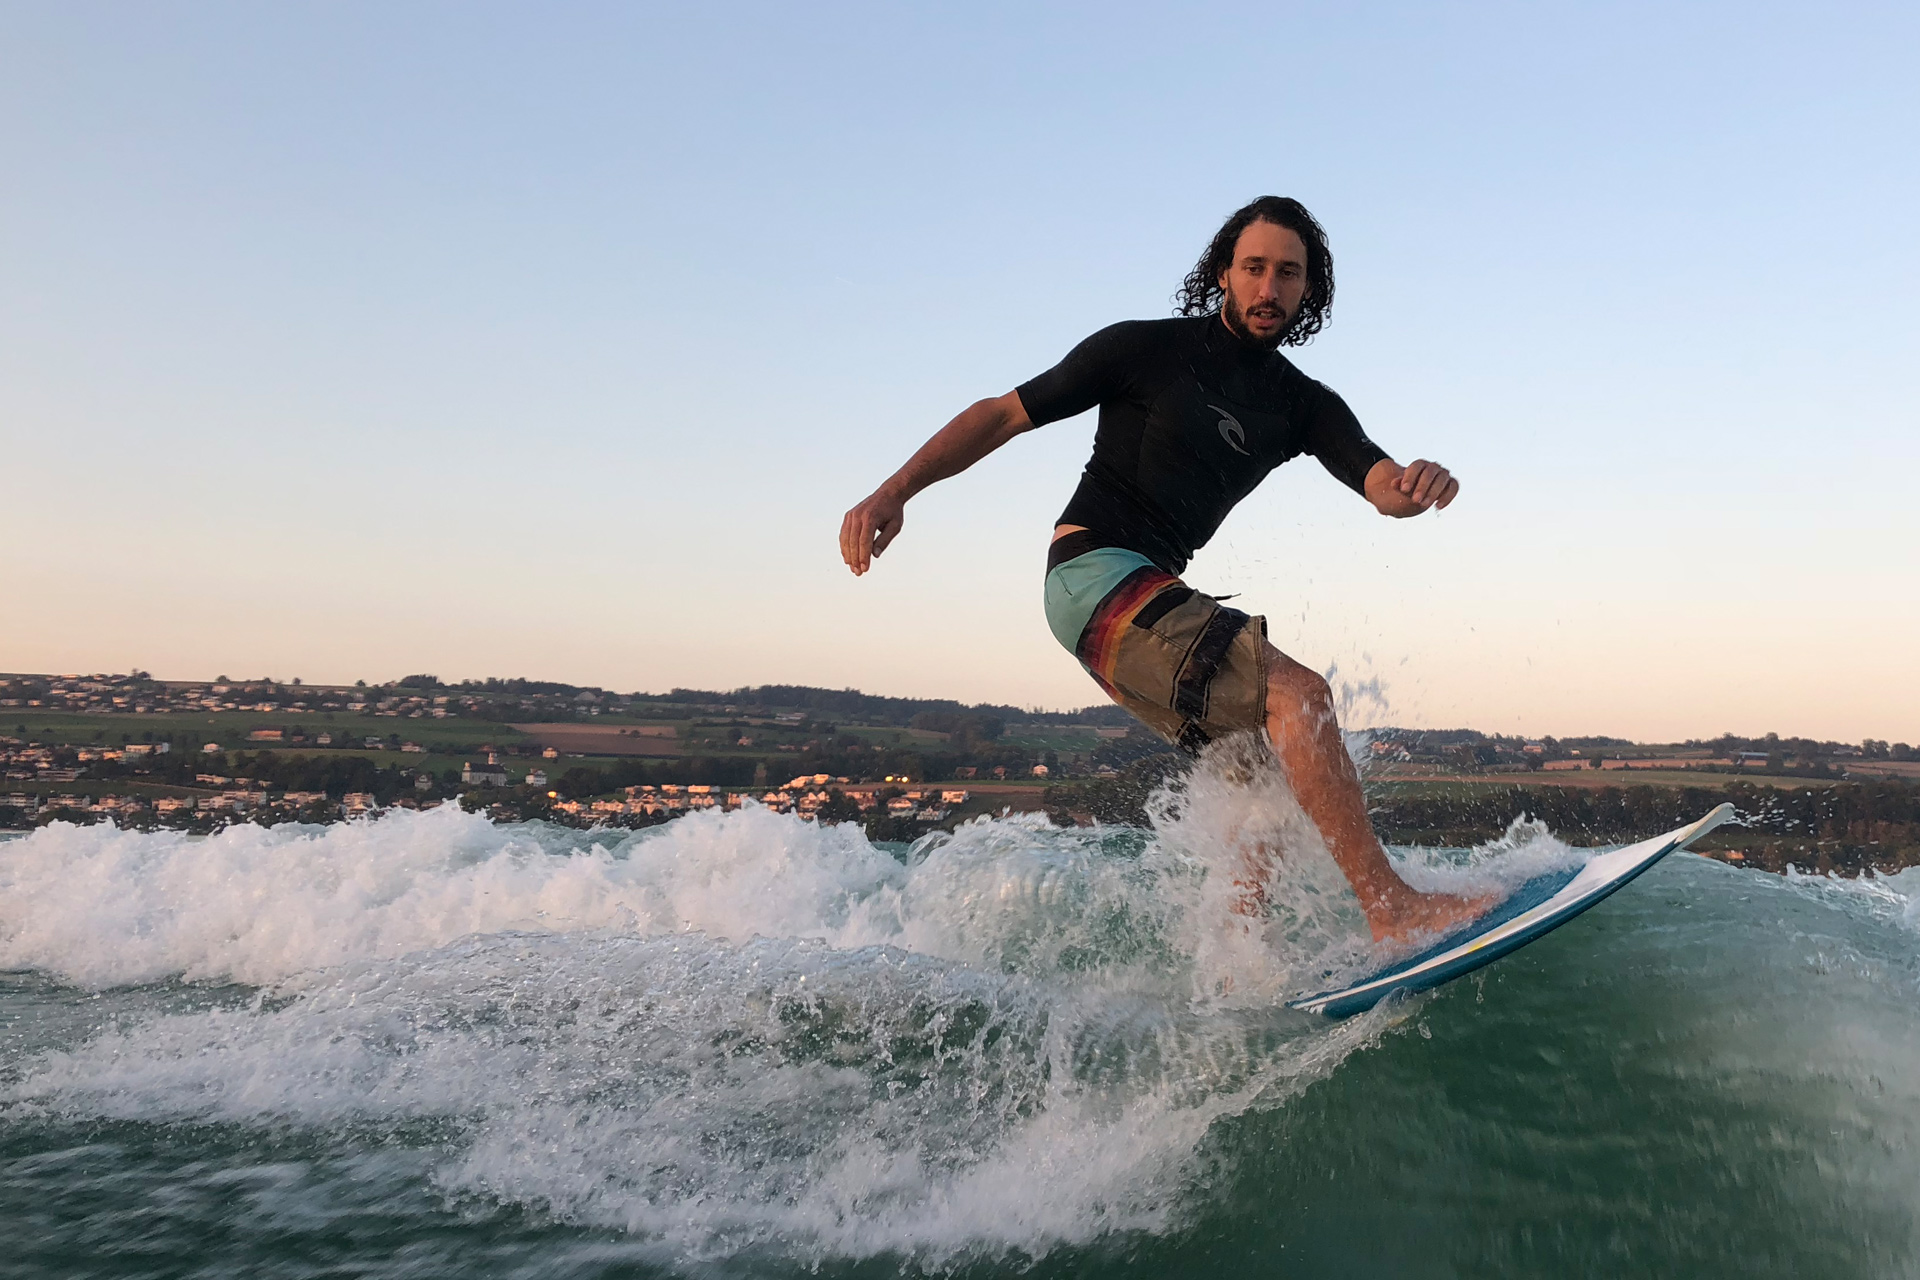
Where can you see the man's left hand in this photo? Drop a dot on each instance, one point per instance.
(1407, 491)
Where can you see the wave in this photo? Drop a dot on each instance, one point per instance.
(739, 1034)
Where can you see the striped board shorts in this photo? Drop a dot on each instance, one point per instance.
(1190, 668)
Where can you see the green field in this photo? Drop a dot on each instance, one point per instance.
(230, 729)
(1589, 779)
(1059, 738)
(449, 743)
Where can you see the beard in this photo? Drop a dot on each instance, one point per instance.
(1237, 325)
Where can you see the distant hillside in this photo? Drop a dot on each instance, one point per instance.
(872, 708)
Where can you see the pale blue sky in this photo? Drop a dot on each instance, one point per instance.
(350, 340)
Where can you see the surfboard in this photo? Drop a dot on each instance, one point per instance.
(1534, 909)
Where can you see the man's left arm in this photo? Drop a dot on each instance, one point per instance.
(1400, 491)
(1335, 436)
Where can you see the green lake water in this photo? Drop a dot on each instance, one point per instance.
(745, 1045)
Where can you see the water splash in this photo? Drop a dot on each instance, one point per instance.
(1894, 898)
(738, 1032)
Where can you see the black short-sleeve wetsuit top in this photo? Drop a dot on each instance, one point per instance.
(1191, 420)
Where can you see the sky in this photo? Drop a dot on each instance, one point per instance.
(354, 340)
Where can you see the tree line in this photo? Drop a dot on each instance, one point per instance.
(869, 708)
(1848, 829)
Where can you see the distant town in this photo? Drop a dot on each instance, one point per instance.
(197, 755)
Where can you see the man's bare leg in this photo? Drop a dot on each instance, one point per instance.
(1300, 721)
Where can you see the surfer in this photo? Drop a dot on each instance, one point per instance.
(1194, 412)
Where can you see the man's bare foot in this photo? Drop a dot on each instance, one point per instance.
(1409, 914)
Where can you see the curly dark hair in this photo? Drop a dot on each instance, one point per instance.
(1201, 293)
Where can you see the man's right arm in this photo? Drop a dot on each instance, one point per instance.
(977, 431)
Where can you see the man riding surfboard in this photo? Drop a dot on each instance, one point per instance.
(1195, 411)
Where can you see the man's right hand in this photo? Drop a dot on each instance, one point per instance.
(868, 528)
(975, 432)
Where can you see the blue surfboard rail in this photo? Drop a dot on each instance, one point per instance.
(1534, 909)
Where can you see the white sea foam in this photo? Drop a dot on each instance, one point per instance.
(1894, 897)
(737, 1032)
(253, 904)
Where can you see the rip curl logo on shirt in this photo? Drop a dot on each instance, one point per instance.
(1231, 431)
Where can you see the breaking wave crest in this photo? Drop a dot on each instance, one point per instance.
(736, 1034)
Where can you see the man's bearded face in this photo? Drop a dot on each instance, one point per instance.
(1265, 284)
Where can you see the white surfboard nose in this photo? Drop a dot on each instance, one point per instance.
(1536, 908)
(1721, 813)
